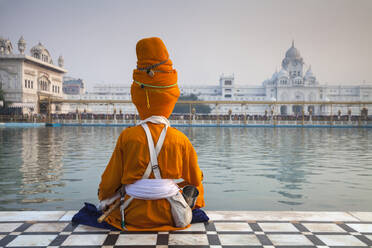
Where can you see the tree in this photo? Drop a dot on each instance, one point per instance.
(185, 108)
(2, 104)
(3, 107)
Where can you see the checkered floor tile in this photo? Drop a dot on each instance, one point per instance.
(214, 234)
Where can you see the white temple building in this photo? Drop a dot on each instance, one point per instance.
(289, 84)
(25, 79)
(292, 83)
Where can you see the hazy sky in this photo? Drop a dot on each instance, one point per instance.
(204, 38)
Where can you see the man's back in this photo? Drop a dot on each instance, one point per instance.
(177, 159)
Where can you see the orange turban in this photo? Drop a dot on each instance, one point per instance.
(154, 90)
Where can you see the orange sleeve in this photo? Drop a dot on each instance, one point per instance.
(111, 177)
(192, 174)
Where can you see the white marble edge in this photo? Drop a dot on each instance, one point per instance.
(68, 215)
(31, 215)
(282, 216)
(213, 215)
(362, 216)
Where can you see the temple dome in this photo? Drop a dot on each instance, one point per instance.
(38, 48)
(292, 52)
(40, 52)
(292, 56)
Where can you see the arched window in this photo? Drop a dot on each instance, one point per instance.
(283, 110)
(44, 84)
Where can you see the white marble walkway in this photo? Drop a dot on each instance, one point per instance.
(225, 229)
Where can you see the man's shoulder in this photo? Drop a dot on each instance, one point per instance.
(131, 129)
(174, 132)
(137, 133)
(130, 132)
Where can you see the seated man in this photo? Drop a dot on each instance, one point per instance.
(154, 92)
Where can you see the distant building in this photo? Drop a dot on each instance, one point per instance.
(104, 92)
(289, 84)
(25, 79)
(73, 86)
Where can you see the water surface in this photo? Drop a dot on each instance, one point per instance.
(244, 168)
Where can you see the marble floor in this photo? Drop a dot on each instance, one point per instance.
(225, 229)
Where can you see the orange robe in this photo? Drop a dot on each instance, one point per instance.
(177, 159)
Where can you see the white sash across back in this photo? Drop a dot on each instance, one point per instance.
(158, 188)
(149, 189)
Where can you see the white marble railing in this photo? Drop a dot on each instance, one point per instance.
(228, 122)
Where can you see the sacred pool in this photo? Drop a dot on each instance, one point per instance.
(317, 169)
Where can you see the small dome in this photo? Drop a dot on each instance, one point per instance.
(21, 40)
(309, 73)
(39, 48)
(40, 52)
(266, 82)
(274, 76)
(283, 73)
(61, 61)
(21, 45)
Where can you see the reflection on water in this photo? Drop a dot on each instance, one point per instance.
(244, 168)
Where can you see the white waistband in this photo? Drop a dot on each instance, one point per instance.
(152, 189)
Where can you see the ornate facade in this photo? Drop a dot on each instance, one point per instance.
(25, 79)
(292, 83)
(289, 84)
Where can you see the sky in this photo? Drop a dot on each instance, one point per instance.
(205, 38)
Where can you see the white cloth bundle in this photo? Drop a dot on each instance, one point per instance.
(152, 189)
(107, 202)
(157, 119)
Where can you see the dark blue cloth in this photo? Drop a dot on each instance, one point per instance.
(89, 214)
(199, 215)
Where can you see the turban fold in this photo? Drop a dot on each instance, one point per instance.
(154, 89)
